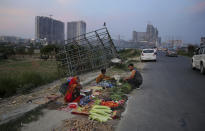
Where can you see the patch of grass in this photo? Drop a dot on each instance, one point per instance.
(23, 75)
(132, 61)
(23, 82)
(8, 86)
(128, 53)
(122, 67)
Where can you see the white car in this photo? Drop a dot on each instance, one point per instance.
(198, 60)
(148, 54)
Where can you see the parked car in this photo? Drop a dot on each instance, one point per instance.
(171, 52)
(148, 54)
(198, 60)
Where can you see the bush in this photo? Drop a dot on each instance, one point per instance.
(190, 51)
(31, 77)
(8, 86)
(124, 54)
(7, 50)
(29, 80)
(47, 78)
(184, 53)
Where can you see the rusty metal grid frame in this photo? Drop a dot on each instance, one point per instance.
(86, 52)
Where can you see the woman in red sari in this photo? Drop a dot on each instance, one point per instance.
(73, 92)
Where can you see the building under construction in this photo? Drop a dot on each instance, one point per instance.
(86, 52)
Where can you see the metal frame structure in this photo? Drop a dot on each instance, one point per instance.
(86, 52)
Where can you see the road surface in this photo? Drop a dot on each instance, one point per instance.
(172, 98)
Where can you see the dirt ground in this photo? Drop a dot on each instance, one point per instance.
(83, 124)
(77, 123)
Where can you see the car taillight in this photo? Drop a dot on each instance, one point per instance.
(142, 54)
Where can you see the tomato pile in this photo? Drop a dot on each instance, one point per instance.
(110, 104)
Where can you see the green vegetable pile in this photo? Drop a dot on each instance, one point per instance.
(116, 97)
(126, 88)
(116, 94)
(100, 113)
(97, 102)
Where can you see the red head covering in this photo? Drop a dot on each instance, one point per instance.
(73, 81)
(72, 85)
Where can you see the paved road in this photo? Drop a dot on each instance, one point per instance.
(172, 98)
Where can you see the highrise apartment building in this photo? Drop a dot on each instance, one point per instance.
(75, 28)
(50, 29)
(151, 33)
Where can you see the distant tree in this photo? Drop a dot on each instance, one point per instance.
(49, 49)
(30, 51)
(31, 45)
(7, 50)
(20, 50)
(191, 49)
(38, 45)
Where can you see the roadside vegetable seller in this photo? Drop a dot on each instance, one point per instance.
(102, 76)
(135, 78)
(73, 92)
(103, 80)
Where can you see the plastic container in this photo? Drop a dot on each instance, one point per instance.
(73, 105)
